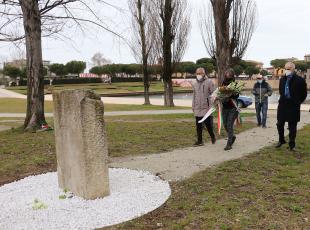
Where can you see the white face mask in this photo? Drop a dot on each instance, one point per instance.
(260, 81)
(199, 77)
(288, 72)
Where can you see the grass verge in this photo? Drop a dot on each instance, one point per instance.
(266, 190)
(13, 105)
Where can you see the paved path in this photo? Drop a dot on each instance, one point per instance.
(3, 128)
(10, 94)
(177, 102)
(183, 163)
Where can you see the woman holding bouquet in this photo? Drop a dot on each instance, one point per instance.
(230, 110)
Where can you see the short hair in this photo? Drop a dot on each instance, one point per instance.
(290, 65)
(201, 70)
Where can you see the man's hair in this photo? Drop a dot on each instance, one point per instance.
(201, 70)
(290, 65)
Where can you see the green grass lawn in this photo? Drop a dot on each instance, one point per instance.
(13, 105)
(101, 88)
(23, 154)
(267, 190)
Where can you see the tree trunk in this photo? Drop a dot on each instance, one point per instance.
(167, 54)
(221, 10)
(146, 82)
(35, 80)
(168, 94)
(145, 54)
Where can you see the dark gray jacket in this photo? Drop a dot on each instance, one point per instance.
(261, 92)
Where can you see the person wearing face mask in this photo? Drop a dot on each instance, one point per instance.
(261, 91)
(293, 92)
(230, 112)
(202, 90)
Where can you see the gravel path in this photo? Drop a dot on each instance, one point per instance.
(183, 163)
(133, 194)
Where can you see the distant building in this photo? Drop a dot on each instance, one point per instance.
(307, 57)
(270, 70)
(292, 59)
(258, 64)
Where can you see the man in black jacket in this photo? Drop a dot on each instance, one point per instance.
(261, 91)
(293, 92)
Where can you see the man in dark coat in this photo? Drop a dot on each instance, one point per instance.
(293, 92)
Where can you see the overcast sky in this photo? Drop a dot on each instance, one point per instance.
(283, 31)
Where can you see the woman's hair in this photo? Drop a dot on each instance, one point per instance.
(230, 72)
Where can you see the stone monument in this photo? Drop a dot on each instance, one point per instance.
(81, 143)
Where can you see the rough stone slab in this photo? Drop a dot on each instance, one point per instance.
(81, 144)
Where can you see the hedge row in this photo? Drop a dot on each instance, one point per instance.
(24, 82)
(131, 79)
(63, 81)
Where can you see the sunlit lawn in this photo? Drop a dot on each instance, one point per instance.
(12, 105)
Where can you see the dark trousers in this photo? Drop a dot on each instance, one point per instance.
(261, 112)
(199, 127)
(229, 116)
(292, 127)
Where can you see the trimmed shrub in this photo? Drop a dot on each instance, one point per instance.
(63, 81)
(23, 82)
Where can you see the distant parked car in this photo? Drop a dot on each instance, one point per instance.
(244, 101)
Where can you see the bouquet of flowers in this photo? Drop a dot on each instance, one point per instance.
(221, 94)
(224, 92)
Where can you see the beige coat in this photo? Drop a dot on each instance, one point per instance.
(202, 96)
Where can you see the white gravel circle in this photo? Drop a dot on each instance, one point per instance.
(133, 194)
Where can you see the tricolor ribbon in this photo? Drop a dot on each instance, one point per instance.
(219, 118)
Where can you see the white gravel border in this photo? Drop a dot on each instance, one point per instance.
(133, 194)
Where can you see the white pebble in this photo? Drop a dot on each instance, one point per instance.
(133, 194)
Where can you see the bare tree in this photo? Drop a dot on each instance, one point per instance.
(98, 59)
(40, 18)
(227, 28)
(172, 28)
(142, 43)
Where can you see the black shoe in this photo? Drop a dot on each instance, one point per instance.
(291, 145)
(264, 126)
(233, 140)
(213, 140)
(280, 143)
(197, 143)
(292, 149)
(228, 147)
(258, 125)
